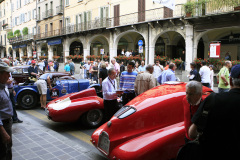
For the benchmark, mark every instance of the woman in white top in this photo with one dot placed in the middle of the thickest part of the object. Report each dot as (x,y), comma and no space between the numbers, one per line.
(211,76)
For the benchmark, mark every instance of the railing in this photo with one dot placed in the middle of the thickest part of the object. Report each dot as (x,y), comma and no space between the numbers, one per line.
(38,18)
(80,27)
(8,27)
(45,14)
(213,7)
(59,9)
(148,15)
(21,38)
(50,13)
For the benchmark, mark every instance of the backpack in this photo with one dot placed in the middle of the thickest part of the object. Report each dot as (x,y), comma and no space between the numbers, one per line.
(192,150)
(198,77)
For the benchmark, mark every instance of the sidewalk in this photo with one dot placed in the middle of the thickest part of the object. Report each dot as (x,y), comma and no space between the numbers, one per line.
(32,141)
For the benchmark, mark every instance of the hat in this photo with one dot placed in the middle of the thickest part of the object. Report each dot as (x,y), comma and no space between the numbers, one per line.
(33,62)
(5,67)
(235,71)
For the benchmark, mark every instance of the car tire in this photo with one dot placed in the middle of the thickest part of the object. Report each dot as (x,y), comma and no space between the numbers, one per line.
(27,99)
(93,118)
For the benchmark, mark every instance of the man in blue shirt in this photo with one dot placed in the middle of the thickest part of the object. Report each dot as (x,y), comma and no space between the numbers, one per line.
(127,80)
(168,75)
(6,112)
(142,67)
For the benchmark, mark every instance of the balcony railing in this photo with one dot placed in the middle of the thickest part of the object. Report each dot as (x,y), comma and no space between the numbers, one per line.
(38,18)
(50,13)
(213,7)
(21,38)
(45,14)
(148,15)
(70,29)
(7,27)
(59,9)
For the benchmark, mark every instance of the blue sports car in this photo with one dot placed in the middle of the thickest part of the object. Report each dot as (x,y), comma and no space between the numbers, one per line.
(27,95)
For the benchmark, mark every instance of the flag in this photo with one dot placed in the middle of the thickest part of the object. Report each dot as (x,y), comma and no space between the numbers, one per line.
(167,3)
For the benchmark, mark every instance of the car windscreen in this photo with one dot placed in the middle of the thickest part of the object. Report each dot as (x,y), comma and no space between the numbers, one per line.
(17,71)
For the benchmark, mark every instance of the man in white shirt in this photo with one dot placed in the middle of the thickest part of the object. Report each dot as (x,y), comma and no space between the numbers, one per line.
(128,54)
(158,69)
(205,74)
(109,87)
(41,65)
(87,67)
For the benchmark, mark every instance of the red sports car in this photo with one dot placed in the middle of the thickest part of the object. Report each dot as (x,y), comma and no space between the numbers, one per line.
(147,128)
(85,106)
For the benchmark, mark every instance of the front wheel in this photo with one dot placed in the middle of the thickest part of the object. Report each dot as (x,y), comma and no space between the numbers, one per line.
(93,118)
(27,99)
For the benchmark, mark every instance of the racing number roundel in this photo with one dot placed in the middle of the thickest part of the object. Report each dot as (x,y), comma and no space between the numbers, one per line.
(54,93)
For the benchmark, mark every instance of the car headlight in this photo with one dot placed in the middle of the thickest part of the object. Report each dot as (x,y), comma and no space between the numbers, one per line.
(125,112)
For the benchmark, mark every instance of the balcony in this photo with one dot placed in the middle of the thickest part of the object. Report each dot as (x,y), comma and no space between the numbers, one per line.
(146,16)
(6,27)
(59,9)
(38,18)
(210,8)
(21,38)
(50,13)
(45,15)
(54,33)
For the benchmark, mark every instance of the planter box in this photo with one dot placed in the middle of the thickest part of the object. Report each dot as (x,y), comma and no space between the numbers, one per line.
(189,14)
(237,8)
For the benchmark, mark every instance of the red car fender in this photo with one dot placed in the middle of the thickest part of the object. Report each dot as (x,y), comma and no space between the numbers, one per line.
(69,108)
(161,144)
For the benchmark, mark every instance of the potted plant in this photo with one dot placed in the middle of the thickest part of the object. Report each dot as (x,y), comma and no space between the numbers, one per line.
(17,33)
(4,25)
(188,8)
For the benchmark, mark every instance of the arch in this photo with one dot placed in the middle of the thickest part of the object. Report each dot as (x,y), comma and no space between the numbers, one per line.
(118,37)
(165,32)
(94,37)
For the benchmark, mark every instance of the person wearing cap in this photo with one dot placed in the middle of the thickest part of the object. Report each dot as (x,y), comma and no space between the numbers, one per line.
(6,113)
(221,134)
(33,71)
(223,77)
(12,94)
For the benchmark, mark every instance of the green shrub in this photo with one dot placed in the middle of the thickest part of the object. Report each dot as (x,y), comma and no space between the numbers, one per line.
(10,35)
(25,31)
(17,33)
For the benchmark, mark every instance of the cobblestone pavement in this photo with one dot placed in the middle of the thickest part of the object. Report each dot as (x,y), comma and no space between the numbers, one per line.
(32,141)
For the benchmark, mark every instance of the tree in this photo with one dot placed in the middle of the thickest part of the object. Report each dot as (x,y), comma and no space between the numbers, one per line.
(25,31)
(17,33)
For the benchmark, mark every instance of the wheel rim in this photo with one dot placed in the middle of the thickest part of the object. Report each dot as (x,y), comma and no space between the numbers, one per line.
(94,117)
(27,100)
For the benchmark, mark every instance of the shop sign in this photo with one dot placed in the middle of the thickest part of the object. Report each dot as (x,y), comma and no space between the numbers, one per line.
(19,46)
(54,42)
(215,50)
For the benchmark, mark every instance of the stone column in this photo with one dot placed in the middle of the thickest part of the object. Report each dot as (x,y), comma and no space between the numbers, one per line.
(86,52)
(21,54)
(29,51)
(50,52)
(14,54)
(38,51)
(2,53)
(151,54)
(189,46)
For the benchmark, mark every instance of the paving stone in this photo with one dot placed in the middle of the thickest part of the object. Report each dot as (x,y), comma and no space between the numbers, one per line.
(47,156)
(36,148)
(64,157)
(58,153)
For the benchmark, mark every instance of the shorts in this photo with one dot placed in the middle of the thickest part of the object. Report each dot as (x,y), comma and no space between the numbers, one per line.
(42,86)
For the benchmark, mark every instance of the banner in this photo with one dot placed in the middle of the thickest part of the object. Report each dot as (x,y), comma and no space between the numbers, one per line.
(167,3)
(214,50)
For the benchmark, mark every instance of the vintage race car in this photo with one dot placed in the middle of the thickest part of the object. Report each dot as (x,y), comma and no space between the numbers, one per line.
(20,74)
(27,96)
(85,106)
(148,127)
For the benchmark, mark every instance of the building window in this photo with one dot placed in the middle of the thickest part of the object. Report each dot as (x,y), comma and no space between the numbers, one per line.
(66,3)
